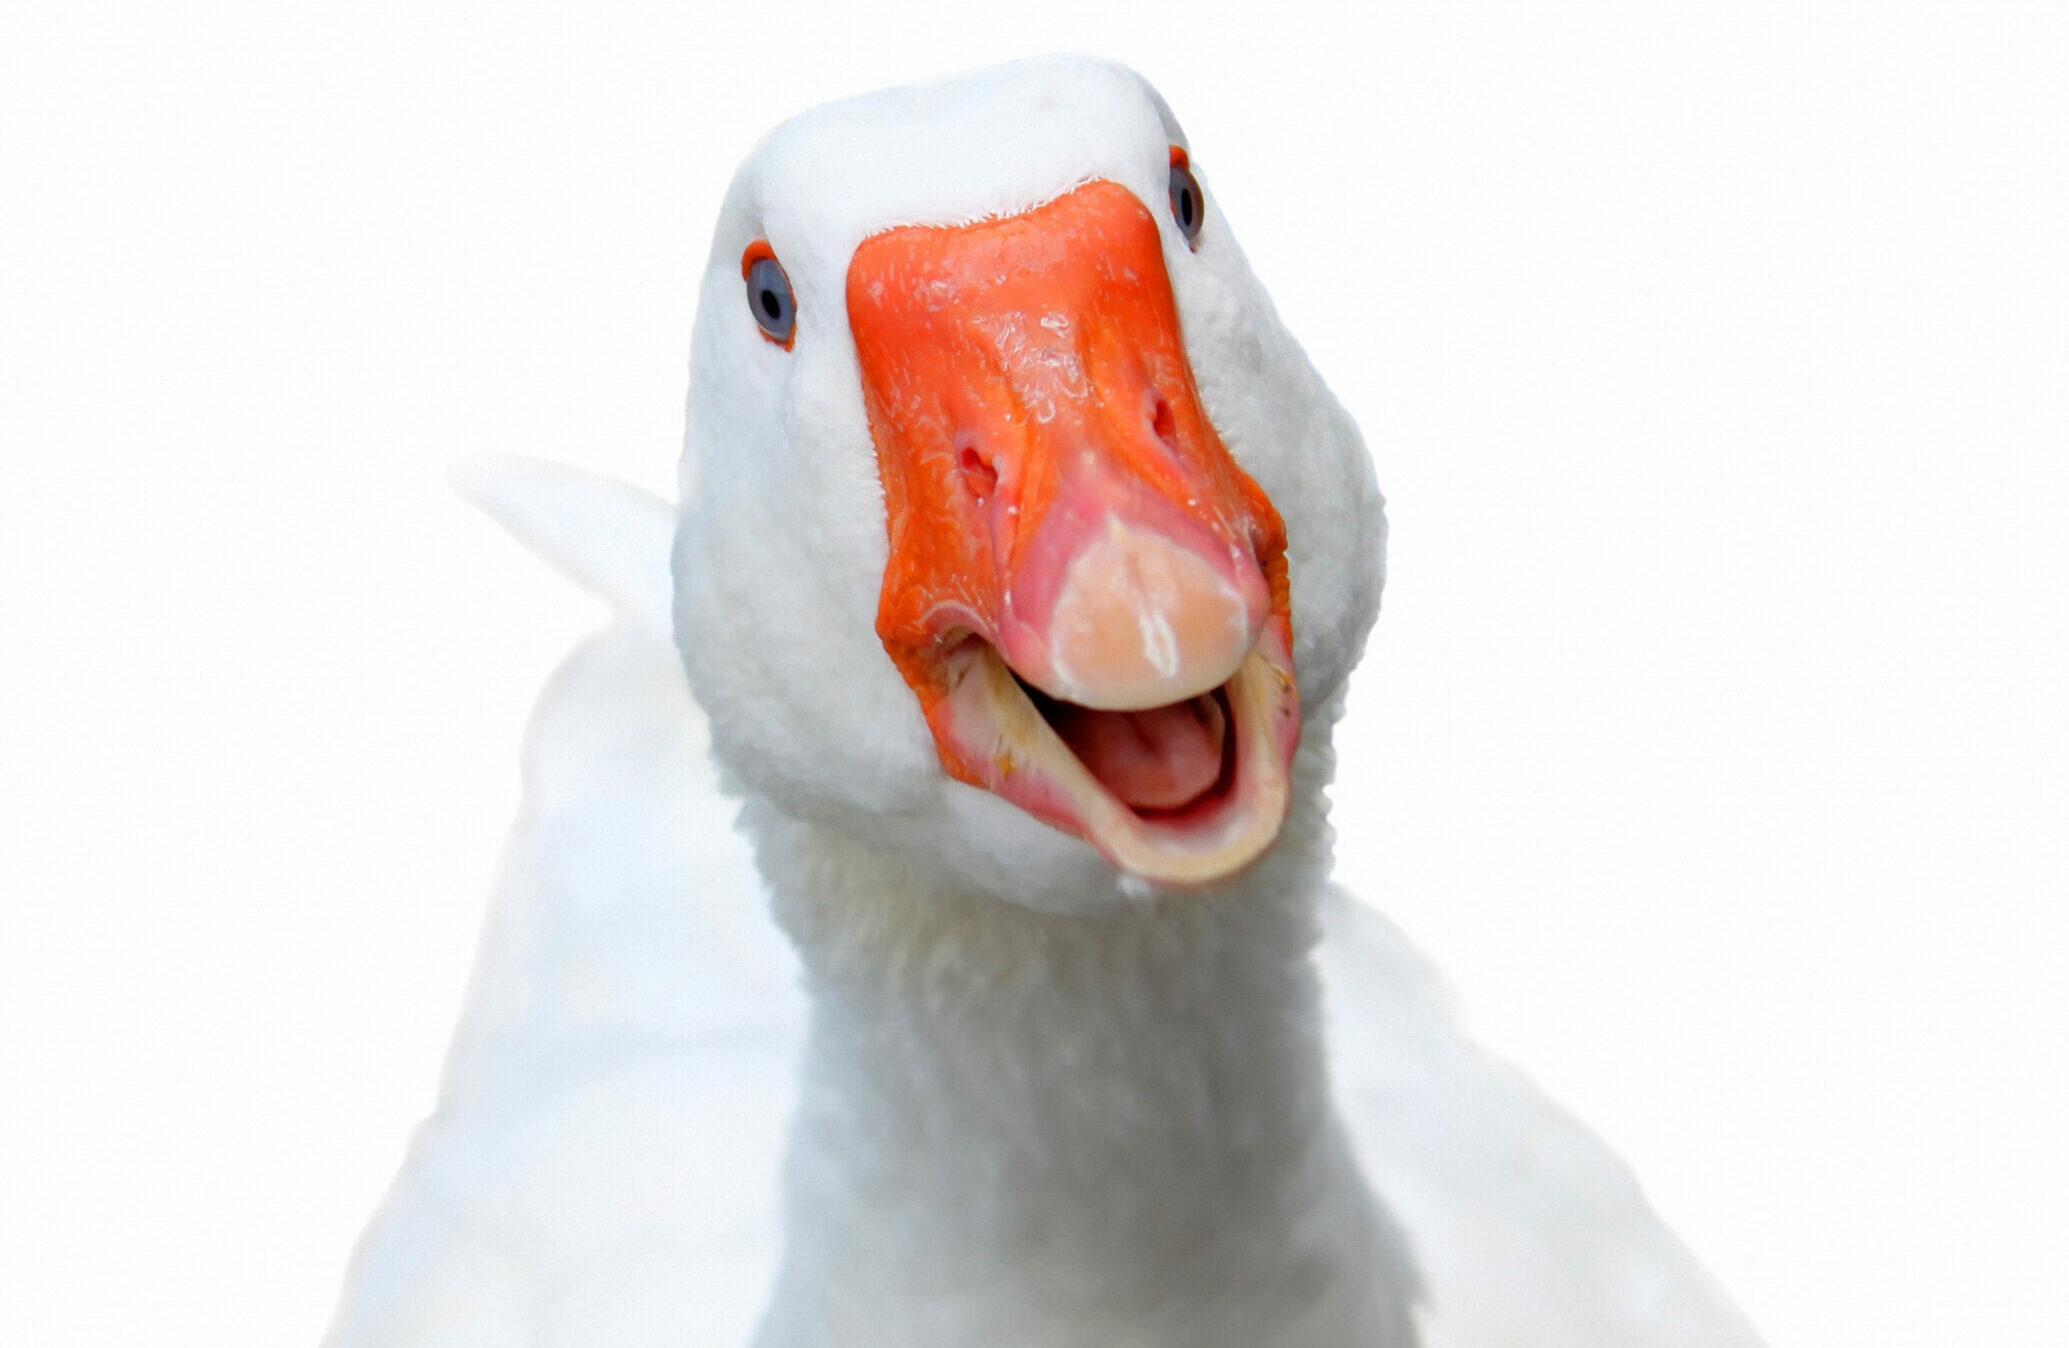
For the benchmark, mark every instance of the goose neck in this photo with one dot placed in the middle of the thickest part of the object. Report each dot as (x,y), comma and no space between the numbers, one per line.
(1032,1120)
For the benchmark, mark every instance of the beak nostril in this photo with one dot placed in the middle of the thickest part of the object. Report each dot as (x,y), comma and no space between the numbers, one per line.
(978,474)
(1166,427)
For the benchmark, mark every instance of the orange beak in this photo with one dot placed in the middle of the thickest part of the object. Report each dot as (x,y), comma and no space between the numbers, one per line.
(1084,591)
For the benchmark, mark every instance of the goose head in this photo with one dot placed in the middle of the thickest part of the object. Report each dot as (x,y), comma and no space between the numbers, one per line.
(1019,536)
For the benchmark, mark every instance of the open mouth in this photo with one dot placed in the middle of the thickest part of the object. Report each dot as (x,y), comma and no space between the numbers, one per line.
(1162,762)
(1184,793)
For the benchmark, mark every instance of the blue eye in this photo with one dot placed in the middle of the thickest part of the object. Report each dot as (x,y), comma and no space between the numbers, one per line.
(769,297)
(1188,202)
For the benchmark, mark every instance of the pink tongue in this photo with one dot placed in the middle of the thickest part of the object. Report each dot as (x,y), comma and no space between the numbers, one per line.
(1152,760)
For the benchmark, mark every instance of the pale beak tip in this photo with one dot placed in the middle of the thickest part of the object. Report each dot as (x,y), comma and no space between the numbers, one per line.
(1141,620)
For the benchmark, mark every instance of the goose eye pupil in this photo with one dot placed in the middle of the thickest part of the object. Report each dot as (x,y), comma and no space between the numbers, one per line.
(771,306)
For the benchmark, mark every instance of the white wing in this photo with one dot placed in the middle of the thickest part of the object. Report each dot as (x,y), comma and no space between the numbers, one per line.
(603,1164)
(1528,1231)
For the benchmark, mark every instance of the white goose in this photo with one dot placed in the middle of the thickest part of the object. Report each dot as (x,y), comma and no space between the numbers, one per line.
(1022,561)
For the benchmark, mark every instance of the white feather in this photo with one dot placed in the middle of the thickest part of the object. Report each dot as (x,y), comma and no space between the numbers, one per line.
(602,1164)
(598,532)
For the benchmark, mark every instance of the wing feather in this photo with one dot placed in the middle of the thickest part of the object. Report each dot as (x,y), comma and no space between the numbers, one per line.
(603,1163)
(1529,1232)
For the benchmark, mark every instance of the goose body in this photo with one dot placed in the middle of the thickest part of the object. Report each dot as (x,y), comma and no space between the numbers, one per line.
(1018,613)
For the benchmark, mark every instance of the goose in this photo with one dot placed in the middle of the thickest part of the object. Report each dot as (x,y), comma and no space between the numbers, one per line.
(1019,567)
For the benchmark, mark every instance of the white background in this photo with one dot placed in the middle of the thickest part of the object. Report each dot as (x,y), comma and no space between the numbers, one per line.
(1713,739)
